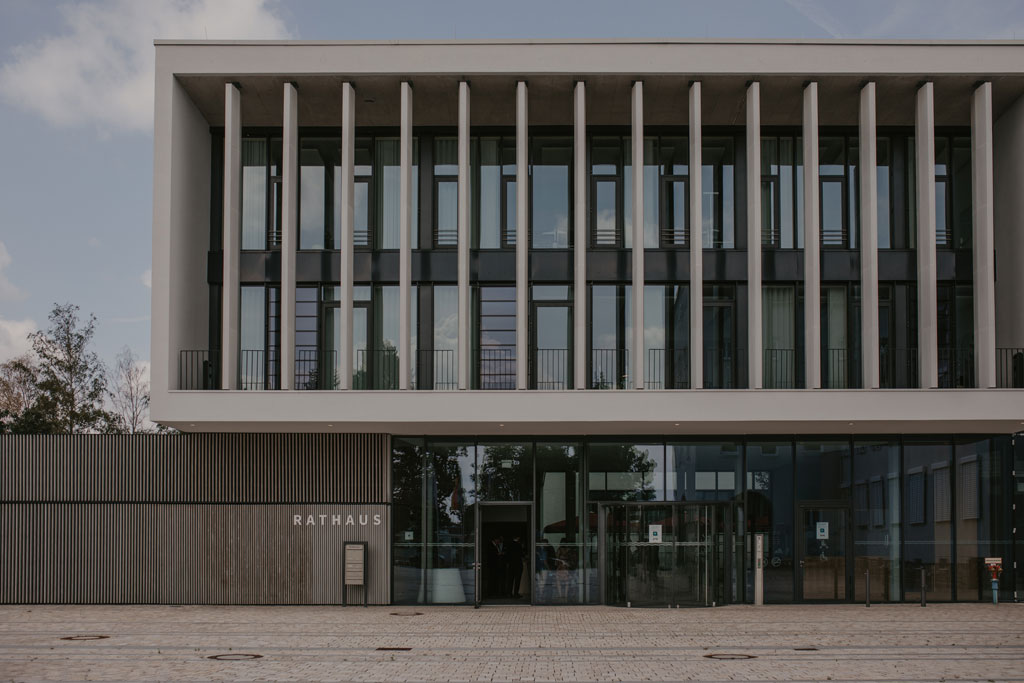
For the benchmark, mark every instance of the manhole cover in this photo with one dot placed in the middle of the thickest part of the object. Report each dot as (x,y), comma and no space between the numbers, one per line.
(394,649)
(726,655)
(234,657)
(407,614)
(85,638)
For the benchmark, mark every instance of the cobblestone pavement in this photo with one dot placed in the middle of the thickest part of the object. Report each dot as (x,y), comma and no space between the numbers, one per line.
(848,642)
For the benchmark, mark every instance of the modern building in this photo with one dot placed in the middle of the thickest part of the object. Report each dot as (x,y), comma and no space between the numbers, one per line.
(586,321)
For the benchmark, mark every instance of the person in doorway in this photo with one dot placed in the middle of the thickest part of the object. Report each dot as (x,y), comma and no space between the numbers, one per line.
(514,561)
(494,567)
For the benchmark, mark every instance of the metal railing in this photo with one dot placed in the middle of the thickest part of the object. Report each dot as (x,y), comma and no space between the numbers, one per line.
(956,367)
(897,367)
(496,367)
(199,369)
(316,369)
(1010,368)
(376,369)
(724,367)
(778,369)
(667,369)
(551,369)
(258,370)
(835,369)
(436,369)
(609,369)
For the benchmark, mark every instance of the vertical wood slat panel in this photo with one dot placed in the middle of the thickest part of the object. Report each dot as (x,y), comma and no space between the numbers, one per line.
(187,518)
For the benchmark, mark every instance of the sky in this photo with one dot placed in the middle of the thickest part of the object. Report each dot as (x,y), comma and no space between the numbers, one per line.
(76,100)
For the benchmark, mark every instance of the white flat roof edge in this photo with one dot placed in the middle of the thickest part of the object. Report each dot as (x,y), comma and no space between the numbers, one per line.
(601,41)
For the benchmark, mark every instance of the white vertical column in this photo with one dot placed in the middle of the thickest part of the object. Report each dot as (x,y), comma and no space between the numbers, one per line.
(983,233)
(522,239)
(289,230)
(755,355)
(927,305)
(868,238)
(812,255)
(638,235)
(579,119)
(232,232)
(696,243)
(406,326)
(464,322)
(346,244)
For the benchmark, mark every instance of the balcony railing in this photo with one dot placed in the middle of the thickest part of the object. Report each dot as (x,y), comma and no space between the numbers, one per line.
(436,369)
(609,369)
(725,367)
(837,370)
(779,369)
(375,369)
(897,367)
(1010,368)
(316,369)
(551,369)
(956,367)
(496,367)
(668,369)
(258,370)
(199,370)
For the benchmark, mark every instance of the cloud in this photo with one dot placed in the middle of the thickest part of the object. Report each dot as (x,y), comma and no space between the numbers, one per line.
(147,278)
(8,292)
(100,69)
(14,337)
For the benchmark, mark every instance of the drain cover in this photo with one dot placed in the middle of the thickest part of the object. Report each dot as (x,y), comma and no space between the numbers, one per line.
(85,638)
(394,649)
(725,655)
(407,614)
(234,657)
(806,649)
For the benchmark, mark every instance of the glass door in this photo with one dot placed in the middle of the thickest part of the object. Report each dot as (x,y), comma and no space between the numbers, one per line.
(824,570)
(659,555)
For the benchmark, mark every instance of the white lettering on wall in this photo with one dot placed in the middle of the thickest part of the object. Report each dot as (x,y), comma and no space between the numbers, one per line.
(297,520)
(335,520)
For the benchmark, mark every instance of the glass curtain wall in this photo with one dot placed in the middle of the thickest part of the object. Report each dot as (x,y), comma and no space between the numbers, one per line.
(876,519)
(782,194)
(551,192)
(982,529)
(956,335)
(551,337)
(769,511)
(319,191)
(928,519)
(781,327)
(667,336)
(446,192)
(611,336)
(388,198)
(559,561)
(443,358)
(493,192)
(261,192)
(718,202)
(723,366)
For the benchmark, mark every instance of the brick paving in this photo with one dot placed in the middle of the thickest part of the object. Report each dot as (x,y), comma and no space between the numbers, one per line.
(853,643)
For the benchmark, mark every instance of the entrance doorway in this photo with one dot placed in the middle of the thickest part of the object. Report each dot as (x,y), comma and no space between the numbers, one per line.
(664,554)
(504,554)
(824,568)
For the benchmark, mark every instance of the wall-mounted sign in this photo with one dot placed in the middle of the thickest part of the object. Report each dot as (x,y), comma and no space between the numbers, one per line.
(654,533)
(336,520)
(821,531)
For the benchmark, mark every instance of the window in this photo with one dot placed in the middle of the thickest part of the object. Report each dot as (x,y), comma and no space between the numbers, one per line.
(782,212)
(718,193)
(387,172)
(967,488)
(261,193)
(611,336)
(915,497)
(551,190)
(781,328)
(496,338)
(319,191)
(943,507)
(446,192)
(494,192)
(667,336)
(606,190)
(721,356)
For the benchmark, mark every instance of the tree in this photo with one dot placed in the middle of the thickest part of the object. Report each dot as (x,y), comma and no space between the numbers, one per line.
(71,380)
(130,392)
(18,378)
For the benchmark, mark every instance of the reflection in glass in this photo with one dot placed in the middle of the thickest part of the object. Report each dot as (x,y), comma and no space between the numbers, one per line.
(449,520)
(981,531)
(823,470)
(254,193)
(558,563)
(927,515)
(387,186)
(319,167)
(550,178)
(770,511)
(620,471)
(717,193)
(876,519)
(506,471)
(709,471)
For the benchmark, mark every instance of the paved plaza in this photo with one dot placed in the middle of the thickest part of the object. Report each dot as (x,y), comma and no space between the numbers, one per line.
(838,643)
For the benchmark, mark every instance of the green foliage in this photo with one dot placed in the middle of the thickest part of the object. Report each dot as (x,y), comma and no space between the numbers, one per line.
(71,378)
